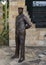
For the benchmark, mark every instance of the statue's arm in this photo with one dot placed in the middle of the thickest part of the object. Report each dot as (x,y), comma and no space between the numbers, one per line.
(28,22)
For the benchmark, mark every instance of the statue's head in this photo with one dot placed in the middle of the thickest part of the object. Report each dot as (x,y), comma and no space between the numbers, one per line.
(20,10)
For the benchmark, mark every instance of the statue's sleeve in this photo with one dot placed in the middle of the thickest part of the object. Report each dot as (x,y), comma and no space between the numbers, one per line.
(27,22)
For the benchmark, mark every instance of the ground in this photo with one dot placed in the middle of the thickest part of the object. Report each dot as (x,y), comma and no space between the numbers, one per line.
(34,56)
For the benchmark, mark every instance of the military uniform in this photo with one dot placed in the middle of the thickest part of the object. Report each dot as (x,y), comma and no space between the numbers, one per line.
(22,23)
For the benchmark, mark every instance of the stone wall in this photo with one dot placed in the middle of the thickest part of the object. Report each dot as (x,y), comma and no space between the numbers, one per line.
(34,37)
(1,18)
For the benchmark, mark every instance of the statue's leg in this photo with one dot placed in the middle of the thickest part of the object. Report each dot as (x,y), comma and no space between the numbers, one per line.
(22,46)
(17,46)
(16,55)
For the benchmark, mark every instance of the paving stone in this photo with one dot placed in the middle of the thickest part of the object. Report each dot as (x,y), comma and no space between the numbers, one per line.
(41,55)
(42,63)
(7,52)
(44,52)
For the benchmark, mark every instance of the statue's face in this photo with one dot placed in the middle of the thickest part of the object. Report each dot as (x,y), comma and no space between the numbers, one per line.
(20,11)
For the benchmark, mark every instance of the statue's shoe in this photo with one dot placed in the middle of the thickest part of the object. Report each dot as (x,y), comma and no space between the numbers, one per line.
(14,56)
(21,60)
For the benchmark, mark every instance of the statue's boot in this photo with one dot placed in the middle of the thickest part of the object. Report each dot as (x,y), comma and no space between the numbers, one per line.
(15,56)
(21,60)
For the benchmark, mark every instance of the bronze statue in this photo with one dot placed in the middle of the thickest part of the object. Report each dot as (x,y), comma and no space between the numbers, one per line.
(22,23)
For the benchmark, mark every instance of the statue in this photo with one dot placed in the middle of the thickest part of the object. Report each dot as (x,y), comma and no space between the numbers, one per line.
(22,23)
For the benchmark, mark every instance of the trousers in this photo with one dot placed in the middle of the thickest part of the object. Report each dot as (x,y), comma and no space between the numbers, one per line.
(20,45)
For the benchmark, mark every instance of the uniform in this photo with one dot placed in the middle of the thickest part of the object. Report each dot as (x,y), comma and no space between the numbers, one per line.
(22,23)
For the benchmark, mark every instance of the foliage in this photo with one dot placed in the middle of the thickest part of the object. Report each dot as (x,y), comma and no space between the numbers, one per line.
(4,36)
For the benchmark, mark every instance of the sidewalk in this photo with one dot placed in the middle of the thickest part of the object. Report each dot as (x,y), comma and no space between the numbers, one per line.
(34,56)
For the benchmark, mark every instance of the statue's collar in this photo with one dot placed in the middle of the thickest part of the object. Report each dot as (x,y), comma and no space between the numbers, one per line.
(21,15)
